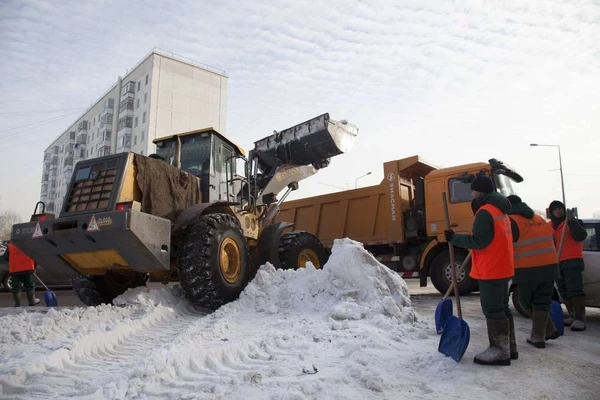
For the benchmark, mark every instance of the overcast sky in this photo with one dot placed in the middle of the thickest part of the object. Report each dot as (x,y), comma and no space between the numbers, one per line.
(455,82)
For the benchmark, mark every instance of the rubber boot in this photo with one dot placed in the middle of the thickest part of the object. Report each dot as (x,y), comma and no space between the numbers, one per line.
(569,305)
(498,353)
(17,299)
(538,328)
(31,298)
(551,330)
(578,314)
(514,354)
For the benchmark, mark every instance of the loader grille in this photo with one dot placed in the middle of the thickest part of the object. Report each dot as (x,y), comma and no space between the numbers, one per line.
(92,193)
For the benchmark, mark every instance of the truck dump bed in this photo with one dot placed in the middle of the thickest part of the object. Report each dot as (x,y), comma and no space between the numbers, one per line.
(371,215)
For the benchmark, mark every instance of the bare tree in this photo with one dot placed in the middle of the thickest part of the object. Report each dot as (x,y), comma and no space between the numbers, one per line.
(7,219)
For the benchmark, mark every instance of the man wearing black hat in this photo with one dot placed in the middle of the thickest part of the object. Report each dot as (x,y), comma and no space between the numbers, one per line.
(570,282)
(536,266)
(493,265)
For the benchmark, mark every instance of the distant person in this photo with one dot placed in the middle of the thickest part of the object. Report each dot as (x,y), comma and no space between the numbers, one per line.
(493,265)
(21,269)
(570,281)
(536,267)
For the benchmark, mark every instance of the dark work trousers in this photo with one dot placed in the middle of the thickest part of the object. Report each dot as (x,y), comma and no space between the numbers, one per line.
(493,295)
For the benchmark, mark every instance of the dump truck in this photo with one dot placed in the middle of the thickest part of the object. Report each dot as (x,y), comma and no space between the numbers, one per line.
(198,211)
(401,221)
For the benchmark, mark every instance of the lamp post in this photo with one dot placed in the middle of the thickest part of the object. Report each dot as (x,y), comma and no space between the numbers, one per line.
(562,181)
(362,176)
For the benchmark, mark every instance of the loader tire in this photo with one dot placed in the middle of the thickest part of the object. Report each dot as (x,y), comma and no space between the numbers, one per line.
(441,273)
(213,261)
(298,247)
(86,290)
(95,290)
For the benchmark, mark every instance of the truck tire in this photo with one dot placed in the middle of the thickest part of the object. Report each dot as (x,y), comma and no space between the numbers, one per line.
(517,303)
(213,261)
(6,282)
(95,290)
(441,273)
(296,248)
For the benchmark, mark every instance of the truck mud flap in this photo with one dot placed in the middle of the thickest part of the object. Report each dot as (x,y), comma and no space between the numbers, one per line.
(93,244)
(310,143)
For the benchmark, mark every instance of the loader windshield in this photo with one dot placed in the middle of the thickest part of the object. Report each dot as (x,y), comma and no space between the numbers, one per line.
(195,153)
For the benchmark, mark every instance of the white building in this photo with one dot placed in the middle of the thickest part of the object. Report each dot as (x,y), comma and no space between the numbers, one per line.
(162,94)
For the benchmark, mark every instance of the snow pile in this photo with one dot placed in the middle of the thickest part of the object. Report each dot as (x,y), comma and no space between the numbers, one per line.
(333,333)
(352,285)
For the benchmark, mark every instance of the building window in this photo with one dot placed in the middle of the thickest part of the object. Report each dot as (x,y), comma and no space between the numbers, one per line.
(137,103)
(142,153)
(134,140)
(142,139)
(144,117)
(136,122)
(146,79)
(145,98)
(139,84)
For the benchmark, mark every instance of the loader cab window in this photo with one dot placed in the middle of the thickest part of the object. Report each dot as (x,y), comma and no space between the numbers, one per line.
(196,154)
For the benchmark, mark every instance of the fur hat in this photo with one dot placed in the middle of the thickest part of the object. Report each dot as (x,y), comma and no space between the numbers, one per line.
(482,184)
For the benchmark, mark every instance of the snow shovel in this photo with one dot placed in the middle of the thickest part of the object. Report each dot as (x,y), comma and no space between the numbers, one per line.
(444,307)
(556,311)
(49,296)
(456,334)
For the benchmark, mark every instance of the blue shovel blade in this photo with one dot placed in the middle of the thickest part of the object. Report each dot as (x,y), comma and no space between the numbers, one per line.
(556,314)
(50,299)
(455,338)
(442,312)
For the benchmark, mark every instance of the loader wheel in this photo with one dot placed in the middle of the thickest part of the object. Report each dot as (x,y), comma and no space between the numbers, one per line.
(213,261)
(441,273)
(299,247)
(95,290)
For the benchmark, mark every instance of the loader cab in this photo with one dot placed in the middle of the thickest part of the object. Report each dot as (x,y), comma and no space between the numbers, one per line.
(208,155)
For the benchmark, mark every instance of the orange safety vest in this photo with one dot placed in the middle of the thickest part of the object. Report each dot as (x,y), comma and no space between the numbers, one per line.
(496,261)
(535,247)
(18,261)
(571,247)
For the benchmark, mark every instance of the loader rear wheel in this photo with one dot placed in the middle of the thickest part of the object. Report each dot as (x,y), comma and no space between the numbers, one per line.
(95,290)
(213,261)
(441,273)
(299,247)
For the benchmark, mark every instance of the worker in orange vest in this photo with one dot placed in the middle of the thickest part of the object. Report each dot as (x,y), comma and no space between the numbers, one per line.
(21,269)
(536,267)
(570,281)
(493,265)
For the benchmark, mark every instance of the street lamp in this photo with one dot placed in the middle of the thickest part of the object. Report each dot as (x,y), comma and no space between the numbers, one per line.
(356,180)
(562,181)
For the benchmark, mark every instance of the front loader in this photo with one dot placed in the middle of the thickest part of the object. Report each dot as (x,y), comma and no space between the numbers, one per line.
(185,214)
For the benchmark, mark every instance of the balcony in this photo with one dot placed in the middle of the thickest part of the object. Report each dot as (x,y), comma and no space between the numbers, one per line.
(54,149)
(83,126)
(81,138)
(54,161)
(124,142)
(68,161)
(104,150)
(108,106)
(106,121)
(129,87)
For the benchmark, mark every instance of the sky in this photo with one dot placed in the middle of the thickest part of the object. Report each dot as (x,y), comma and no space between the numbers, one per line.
(452,81)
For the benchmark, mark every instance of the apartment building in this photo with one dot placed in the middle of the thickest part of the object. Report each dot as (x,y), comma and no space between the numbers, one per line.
(162,94)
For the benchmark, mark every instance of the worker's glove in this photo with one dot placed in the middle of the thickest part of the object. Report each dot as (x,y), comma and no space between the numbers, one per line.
(570,215)
(449,234)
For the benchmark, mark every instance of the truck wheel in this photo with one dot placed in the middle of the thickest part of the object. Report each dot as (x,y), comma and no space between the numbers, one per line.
(441,273)
(299,247)
(213,261)
(95,290)
(517,303)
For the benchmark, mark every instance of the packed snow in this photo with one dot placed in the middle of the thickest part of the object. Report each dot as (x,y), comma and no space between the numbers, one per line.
(348,331)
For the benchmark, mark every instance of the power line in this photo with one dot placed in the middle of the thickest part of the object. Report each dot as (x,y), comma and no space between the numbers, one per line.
(40,111)
(39,123)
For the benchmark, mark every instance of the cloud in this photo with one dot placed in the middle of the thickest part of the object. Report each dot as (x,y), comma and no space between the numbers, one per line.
(455,81)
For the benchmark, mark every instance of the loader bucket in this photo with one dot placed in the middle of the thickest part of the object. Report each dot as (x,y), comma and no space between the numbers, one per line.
(312,142)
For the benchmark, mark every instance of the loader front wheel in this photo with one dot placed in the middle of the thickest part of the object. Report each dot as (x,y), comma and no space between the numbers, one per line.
(299,247)
(213,261)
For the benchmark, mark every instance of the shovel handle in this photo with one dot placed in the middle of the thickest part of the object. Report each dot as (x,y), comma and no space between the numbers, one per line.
(460,271)
(451,246)
(38,278)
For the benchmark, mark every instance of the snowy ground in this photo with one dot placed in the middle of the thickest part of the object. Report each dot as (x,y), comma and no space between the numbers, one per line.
(349,331)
